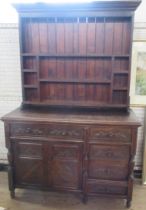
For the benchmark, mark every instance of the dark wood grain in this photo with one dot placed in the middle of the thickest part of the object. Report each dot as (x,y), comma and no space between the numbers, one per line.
(81,47)
(89,152)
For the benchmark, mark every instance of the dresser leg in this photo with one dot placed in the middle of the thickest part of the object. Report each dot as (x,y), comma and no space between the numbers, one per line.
(128,203)
(11,183)
(12,194)
(85,199)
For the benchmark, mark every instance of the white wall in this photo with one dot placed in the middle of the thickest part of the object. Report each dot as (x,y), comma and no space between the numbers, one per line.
(140,113)
(10,81)
(140,14)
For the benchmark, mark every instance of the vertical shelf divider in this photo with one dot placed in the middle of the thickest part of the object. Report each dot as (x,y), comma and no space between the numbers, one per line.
(112,78)
(38,77)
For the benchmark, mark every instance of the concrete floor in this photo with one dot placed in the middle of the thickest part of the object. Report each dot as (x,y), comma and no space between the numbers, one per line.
(37,200)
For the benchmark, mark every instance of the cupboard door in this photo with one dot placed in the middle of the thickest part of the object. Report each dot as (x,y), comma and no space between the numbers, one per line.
(28,162)
(66,166)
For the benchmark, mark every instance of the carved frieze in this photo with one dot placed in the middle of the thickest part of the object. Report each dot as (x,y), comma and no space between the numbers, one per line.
(46,130)
(64,132)
(106,133)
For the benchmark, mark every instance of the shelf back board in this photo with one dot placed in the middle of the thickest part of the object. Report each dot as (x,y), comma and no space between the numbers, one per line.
(72,54)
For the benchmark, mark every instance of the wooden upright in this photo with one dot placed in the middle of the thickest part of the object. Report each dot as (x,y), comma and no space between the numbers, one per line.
(74,130)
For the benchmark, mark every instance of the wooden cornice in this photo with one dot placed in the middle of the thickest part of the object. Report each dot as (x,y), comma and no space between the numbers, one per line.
(120,5)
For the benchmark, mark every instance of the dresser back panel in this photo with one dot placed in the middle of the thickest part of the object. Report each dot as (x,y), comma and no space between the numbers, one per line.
(69,59)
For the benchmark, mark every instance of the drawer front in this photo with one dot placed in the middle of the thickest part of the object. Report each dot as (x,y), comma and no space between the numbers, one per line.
(113,188)
(100,170)
(109,133)
(46,130)
(105,152)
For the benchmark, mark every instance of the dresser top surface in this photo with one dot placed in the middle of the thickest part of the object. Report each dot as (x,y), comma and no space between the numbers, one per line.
(77,117)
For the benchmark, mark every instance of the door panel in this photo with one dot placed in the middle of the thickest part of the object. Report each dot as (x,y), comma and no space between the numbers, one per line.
(66,166)
(29,171)
(28,158)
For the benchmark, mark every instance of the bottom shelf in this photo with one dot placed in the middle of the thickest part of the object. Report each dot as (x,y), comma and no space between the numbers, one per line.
(98,96)
(75,104)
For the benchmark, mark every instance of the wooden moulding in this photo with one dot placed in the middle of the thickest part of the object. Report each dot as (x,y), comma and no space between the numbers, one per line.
(129,5)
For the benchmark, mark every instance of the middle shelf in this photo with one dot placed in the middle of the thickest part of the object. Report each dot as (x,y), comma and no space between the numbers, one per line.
(99,79)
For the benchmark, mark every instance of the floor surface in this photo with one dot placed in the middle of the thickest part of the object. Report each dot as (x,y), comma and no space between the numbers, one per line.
(37,200)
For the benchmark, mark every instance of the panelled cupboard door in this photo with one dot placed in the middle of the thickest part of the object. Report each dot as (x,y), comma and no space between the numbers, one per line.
(48,164)
(28,162)
(66,166)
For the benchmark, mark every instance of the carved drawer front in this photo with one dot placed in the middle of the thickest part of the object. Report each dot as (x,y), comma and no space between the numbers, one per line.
(66,166)
(113,152)
(29,149)
(113,133)
(46,130)
(100,170)
(102,187)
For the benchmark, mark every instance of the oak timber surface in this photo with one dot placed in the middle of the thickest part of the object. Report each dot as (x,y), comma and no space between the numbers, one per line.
(66,116)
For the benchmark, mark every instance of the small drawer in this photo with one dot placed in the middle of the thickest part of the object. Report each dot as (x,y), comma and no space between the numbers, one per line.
(109,171)
(109,153)
(106,187)
(46,130)
(110,133)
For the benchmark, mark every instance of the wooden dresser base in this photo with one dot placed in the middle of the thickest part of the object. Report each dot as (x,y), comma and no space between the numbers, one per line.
(88,153)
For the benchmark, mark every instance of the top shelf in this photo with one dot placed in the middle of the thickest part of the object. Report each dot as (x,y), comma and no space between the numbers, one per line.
(74,56)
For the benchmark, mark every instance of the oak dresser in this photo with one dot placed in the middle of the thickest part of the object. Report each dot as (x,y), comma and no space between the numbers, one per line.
(74,130)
